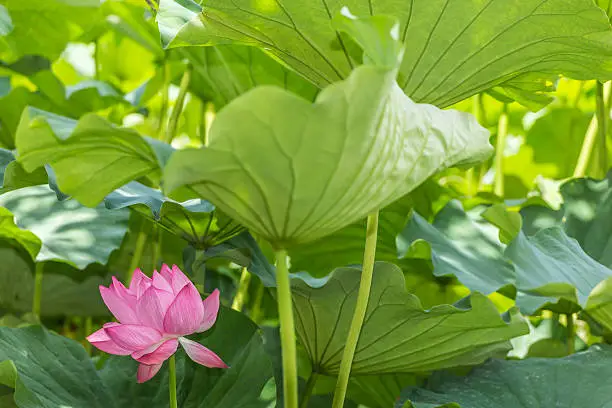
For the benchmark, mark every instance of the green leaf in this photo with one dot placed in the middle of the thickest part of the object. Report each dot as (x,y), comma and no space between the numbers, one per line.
(454,237)
(588,215)
(550,266)
(49,371)
(193,220)
(222,73)
(545,268)
(398,334)
(260,170)
(9,231)
(69,232)
(537,382)
(453,47)
(91,157)
(237,341)
(509,223)
(52,371)
(44,28)
(242,250)
(6,157)
(61,295)
(380,391)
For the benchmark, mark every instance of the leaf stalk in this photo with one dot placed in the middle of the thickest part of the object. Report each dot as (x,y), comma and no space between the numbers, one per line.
(361,306)
(243,290)
(178,106)
(287,330)
(172,381)
(500,146)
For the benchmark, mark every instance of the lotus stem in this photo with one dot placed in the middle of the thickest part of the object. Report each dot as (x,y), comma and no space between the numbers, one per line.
(172,381)
(141,240)
(178,106)
(208,116)
(243,290)
(590,136)
(602,121)
(470,176)
(287,330)
(571,333)
(38,281)
(361,306)
(156,232)
(256,307)
(96,58)
(165,98)
(87,329)
(500,146)
(312,380)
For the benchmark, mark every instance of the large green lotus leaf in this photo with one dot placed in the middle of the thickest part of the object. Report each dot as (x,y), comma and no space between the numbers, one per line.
(69,231)
(546,268)
(455,48)
(398,334)
(235,338)
(11,107)
(49,371)
(588,215)
(551,266)
(193,220)
(294,171)
(222,73)
(44,28)
(576,381)
(91,157)
(61,295)
(463,245)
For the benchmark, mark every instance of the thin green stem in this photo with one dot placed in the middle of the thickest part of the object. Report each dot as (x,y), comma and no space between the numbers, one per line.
(141,240)
(590,138)
(312,381)
(208,116)
(361,306)
(256,307)
(172,381)
(87,329)
(38,281)
(571,333)
(500,146)
(470,176)
(96,58)
(156,234)
(287,330)
(163,112)
(243,290)
(602,120)
(178,106)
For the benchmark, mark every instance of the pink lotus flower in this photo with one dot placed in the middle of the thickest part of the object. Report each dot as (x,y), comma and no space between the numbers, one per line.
(154,315)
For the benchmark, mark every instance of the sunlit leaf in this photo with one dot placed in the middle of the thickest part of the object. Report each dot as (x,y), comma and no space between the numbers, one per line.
(454,48)
(91,157)
(69,231)
(398,334)
(538,382)
(294,171)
